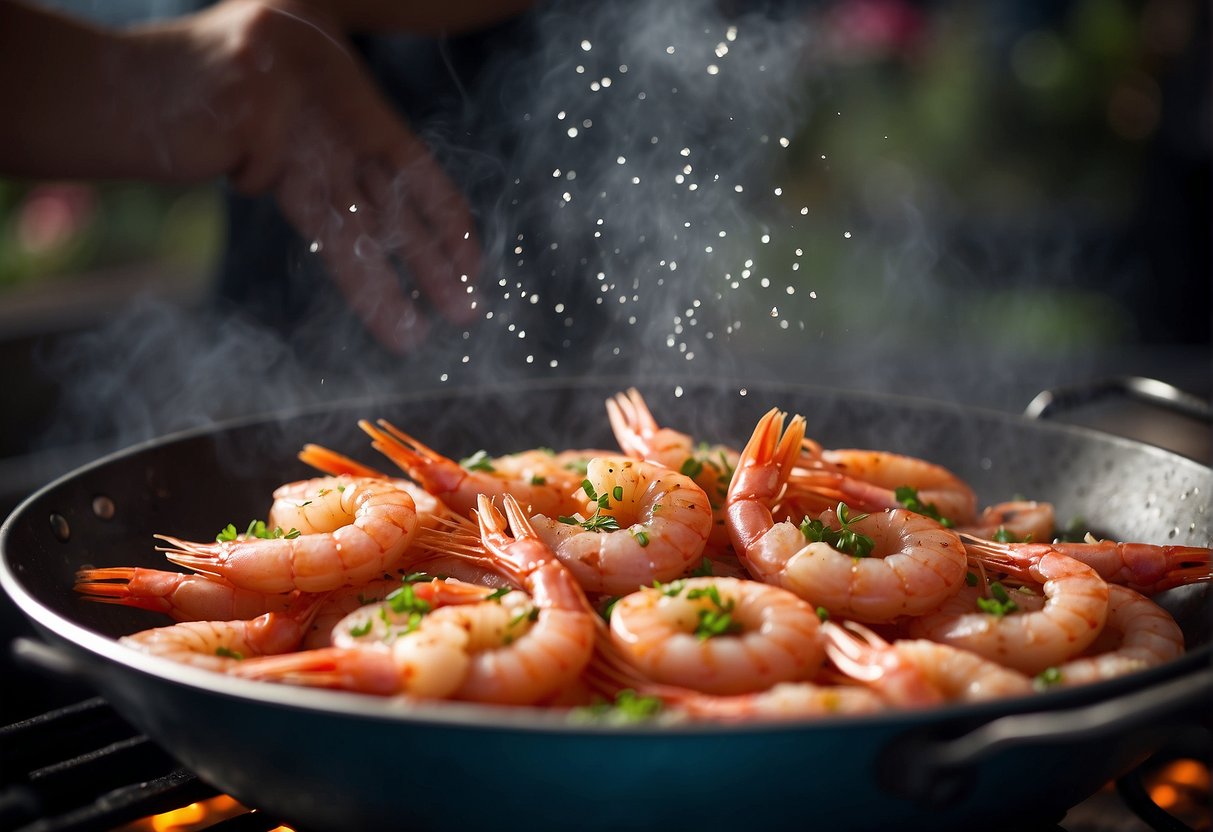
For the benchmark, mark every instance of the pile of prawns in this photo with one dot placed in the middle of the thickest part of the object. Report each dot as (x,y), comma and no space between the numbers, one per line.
(782,581)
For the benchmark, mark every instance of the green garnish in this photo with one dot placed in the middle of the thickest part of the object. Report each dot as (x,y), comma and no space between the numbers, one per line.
(479,461)
(359,630)
(538,480)
(228,653)
(703,570)
(258,529)
(908,497)
(1047,678)
(641,534)
(823,613)
(844,539)
(404,601)
(971,579)
(581,466)
(627,707)
(670,590)
(1000,605)
(498,594)
(691,467)
(596,522)
(416,578)
(1004,536)
(717,622)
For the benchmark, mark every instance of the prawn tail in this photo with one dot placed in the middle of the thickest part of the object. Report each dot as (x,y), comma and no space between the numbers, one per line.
(334,464)
(631,421)
(437,473)
(365,671)
(1184,565)
(770,447)
(112,585)
(203,558)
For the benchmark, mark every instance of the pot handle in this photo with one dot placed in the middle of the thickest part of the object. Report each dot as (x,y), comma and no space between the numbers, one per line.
(936,772)
(1148,390)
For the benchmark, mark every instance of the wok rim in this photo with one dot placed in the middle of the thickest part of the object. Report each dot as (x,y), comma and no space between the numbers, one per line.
(493,718)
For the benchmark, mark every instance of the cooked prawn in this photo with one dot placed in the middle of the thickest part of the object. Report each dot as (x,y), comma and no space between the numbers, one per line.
(1074,611)
(1141,566)
(182,596)
(913,566)
(382,520)
(223,645)
(958,675)
(763,635)
(787,700)
(1024,520)
(519,648)
(1138,634)
(870,481)
(640,523)
(641,437)
(532,477)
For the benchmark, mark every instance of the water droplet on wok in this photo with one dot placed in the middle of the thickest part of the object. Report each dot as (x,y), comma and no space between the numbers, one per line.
(103,507)
(60,528)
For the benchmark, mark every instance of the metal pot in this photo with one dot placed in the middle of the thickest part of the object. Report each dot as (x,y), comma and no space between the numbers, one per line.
(330,760)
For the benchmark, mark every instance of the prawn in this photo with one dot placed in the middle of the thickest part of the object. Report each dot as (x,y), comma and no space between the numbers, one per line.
(1024,520)
(640,523)
(1138,634)
(223,645)
(718,635)
(912,564)
(641,437)
(1144,567)
(520,647)
(179,595)
(957,675)
(381,524)
(786,700)
(1074,611)
(874,480)
(532,477)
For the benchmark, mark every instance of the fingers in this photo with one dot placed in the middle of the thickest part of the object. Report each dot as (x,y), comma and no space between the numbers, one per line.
(331,210)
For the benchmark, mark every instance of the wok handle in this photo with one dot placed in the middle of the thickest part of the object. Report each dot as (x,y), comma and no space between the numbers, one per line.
(1147,390)
(937,772)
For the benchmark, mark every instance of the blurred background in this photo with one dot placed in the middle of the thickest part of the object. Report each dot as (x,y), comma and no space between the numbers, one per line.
(998,197)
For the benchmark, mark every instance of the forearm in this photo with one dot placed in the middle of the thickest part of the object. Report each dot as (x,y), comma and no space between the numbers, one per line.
(90,102)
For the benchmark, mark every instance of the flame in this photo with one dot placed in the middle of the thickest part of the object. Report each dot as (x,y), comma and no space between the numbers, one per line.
(191,818)
(1181,787)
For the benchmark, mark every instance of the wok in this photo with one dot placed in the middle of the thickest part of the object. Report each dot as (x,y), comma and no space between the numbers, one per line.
(330,760)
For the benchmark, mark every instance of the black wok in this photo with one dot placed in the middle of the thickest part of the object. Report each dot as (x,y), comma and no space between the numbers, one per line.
(328,760)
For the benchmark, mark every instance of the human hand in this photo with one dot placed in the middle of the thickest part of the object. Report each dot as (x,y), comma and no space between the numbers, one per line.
(270,94)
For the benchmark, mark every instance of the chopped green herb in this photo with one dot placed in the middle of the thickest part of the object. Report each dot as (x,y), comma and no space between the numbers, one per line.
(717,622)
(405,600)
(229,533)
(596,522)
(823,613)
(641,534)
(627,707)
(538,480)
(670,590)
(416,578)
(908,497)
(359,630)
(256,529)
(703,570)
(844,539)
(341,489)
(971,579)
(691,467)
(479,461)
(228,653)
(999,605)
(609,607)
(498,594)
(323,491)
(1004,536)
(1047,678)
